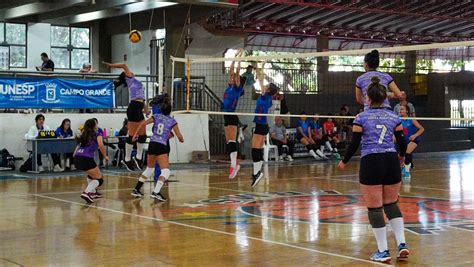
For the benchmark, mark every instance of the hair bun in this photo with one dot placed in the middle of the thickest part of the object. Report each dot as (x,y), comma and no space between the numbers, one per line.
(375,53)
(375,79)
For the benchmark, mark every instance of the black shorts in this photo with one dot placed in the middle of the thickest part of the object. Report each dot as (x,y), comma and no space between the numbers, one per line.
(156,149)
(261,129)
(231,120)
(84,164)
(380,169)
(135,111)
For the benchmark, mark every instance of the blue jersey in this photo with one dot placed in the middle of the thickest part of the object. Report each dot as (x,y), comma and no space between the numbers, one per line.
(231,98)
(304,125)
(378,126)
(264,102)
(314,124)
(409,129)
(63,134)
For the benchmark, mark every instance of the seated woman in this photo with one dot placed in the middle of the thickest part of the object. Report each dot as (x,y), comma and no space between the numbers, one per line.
(303,134)
(33,134)
(330,135)
(63,131)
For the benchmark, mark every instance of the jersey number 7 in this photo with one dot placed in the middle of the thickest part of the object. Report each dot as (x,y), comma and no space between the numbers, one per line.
(382,134)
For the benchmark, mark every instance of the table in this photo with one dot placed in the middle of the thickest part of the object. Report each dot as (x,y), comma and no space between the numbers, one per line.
(50,146)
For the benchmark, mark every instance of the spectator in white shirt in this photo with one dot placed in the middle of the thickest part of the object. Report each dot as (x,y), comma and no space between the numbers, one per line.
(404,102)
(33,134)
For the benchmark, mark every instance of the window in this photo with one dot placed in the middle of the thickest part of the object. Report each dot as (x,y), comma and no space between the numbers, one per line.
(70,47)
(462,109)
(13,35)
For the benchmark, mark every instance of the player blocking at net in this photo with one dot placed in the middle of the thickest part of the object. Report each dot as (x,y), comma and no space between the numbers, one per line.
(231,98)
(135,116)
(379,172)
(264,103)
(158,149)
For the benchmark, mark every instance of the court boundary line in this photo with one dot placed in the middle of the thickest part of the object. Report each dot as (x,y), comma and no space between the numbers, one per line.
(212,230)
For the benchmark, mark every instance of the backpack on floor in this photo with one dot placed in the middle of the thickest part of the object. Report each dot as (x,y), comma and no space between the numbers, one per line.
(27,165)
(7,161)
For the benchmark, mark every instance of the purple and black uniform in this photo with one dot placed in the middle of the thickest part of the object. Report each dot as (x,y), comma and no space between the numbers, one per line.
(135,88)
(162,127)
(136,94)
(378,128)
(365,80)
(379,158)
(84,157)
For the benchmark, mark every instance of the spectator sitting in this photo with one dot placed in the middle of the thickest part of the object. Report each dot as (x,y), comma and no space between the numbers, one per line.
(280,138)
(330,135)
(47,65)
(122,134)
(404,102)
(63,131)
(303,134)
(345,124)
(87,68)
(33,134)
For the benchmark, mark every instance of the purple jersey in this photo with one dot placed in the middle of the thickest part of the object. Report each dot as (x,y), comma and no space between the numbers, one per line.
(135,88)
(89,150)
(162,126)
(364,81)
(378,126)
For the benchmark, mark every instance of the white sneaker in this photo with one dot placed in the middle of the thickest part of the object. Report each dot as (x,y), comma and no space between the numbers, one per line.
(288,158)
(40,169)
(233,171)
(73,167)
(57,168)
(321,154)
(67,164)
(280,158)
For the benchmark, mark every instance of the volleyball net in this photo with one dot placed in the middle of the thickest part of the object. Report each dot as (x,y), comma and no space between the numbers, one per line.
(437,79)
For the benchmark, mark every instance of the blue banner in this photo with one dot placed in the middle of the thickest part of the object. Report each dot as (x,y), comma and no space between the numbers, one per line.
(55,93)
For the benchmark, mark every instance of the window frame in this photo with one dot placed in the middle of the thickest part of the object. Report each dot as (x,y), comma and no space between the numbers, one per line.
(5,43)
(70,48)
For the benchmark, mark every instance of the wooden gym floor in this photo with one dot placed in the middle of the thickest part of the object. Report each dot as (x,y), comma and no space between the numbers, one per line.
(301,214)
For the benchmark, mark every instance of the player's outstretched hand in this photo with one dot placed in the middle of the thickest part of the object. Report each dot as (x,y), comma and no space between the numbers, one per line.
(342,165)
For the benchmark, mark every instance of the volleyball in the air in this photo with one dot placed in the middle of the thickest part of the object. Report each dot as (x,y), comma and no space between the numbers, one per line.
(135,36)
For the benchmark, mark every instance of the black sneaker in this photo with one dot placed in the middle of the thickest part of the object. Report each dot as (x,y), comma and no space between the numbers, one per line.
(88,197)
(256,178)
(97,195)
(138,163)
(158,196)
(137,193)
(128,165)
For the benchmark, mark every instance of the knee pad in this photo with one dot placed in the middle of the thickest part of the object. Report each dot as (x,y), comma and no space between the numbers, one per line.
(231,146)
(90,177)
(148,173)
(165,173)
(101,181)
(392,210)
(376,218)
(142,139)
(257,154)
(130,140)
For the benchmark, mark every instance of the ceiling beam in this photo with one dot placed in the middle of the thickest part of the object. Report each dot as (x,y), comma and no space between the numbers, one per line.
(127,9)
(38,8)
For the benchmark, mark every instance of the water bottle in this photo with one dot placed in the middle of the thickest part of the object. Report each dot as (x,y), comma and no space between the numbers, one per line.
(111,132)
(105,133)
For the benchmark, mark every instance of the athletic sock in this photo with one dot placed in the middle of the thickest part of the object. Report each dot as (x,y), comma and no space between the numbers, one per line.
(398,229)
(140,147)
(233,159)
(381,237)
(92,186)
(139,185)
(158,186)
(257,166)
(128,152)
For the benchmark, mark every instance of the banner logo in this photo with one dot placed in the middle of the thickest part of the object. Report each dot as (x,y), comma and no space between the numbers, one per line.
(51,93)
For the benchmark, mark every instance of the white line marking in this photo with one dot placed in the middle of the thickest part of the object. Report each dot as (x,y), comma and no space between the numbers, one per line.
(213,231)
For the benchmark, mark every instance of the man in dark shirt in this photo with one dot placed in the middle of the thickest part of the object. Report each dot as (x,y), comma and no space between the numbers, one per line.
(48,64)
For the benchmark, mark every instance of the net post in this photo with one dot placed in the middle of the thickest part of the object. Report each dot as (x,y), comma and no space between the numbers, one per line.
(188,84)
(172,80)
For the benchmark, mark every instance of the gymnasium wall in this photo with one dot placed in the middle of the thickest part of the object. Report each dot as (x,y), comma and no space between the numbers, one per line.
(193,127)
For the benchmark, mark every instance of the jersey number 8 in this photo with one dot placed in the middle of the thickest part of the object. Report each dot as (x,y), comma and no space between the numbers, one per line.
(160,129)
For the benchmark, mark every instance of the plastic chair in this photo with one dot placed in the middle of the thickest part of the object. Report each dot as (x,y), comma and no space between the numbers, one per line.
(267,148)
